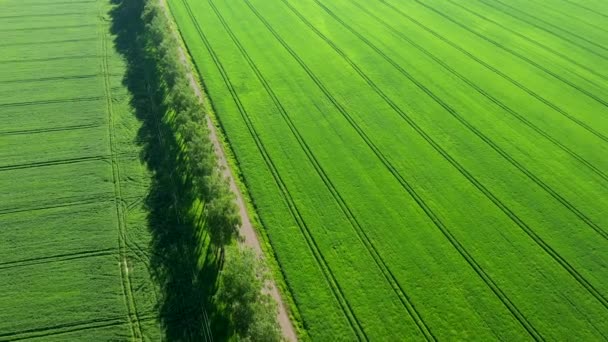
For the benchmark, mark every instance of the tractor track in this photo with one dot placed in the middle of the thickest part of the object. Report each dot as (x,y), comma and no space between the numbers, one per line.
(131,305)
(57,258)
(49,130)
(541,99)
(52,163)
(366,241)
(573,85)
(58,101)
(531,40)
(50,42)
(507,211)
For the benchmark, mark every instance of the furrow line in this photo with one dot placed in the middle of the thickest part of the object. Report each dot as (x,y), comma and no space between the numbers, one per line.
(43,102)
(123,263)
(47,28)
(293,209)
(47,130)
(439,224)
(144,257)
(497,148)
(51,163)
(56,258)
(48,42)
(493,99)
(429,212)
(44,15)
(48,59)
(61,329)
(46,79)
(133,204)
(388,275)
(52,3)
(520,56)
(586,8)
(572,17)
(533,41)
(90,200)
(532,23)
(482,136)
(500,73)
(504,208)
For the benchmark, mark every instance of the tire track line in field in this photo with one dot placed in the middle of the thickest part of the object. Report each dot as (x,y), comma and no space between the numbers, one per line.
(52,163)
(68,328)
(520,56)
(533,24)
(371,249)
(73,203)
(53,3)
(500,73)
(501,152)
(504,208)
(429,212)
(479,134)
(47,28)
(548,24)
(48,59)
(61,329)
(48,130)
(43,102)
(21,16)
(529,39)
(570,16)
(493,99)
(54,78)
(57,258)
(294,211)
(586,8)
(127,286)
(422,204)
(47,42)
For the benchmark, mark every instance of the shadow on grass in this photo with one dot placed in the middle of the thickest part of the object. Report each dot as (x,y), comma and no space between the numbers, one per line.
(184,268)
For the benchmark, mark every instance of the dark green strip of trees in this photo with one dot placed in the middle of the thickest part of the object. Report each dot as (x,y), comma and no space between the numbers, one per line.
(240,293)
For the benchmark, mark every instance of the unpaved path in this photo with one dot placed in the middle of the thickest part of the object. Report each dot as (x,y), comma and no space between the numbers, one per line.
(247,231)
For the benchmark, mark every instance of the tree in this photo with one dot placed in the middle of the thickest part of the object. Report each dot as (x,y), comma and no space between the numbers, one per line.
(223,219)
(241,293)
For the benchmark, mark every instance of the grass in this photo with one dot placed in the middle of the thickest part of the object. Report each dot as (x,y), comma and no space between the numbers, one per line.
(422,169)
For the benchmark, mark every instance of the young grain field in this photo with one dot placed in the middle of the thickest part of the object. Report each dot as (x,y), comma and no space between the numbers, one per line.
(424,170)
(74,256)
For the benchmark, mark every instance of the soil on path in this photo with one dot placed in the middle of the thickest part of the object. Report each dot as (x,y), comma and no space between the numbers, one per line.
(247,231)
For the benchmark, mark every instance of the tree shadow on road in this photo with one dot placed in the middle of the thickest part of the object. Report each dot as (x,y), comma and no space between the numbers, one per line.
(185,270)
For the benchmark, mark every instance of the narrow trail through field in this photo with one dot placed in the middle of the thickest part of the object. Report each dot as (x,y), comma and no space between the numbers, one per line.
(247,231)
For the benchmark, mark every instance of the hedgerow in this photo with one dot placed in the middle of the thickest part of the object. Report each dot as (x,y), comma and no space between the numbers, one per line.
(186,115)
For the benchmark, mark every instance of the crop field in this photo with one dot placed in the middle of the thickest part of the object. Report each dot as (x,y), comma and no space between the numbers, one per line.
(423,170)
(73,228)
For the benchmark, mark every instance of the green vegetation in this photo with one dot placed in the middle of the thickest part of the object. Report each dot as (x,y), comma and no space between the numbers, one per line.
(423,169)
(251,310)
(73,243)
(203,204)
(114,212)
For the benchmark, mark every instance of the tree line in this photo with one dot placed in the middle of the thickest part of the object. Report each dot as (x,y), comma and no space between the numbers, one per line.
(241,290)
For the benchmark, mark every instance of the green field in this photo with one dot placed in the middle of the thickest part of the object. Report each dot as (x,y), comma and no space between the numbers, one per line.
(74,232)
(422,169)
